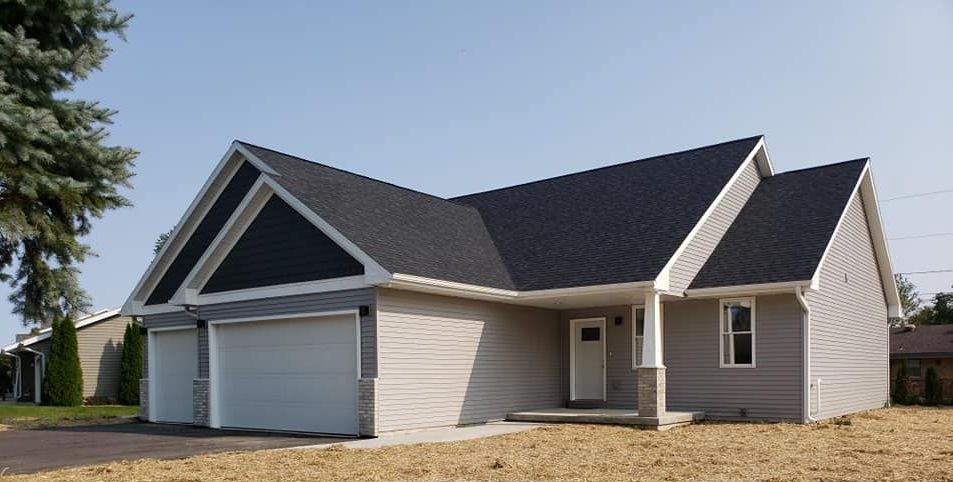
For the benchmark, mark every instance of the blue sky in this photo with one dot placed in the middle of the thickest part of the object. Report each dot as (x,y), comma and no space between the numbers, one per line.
(452,99)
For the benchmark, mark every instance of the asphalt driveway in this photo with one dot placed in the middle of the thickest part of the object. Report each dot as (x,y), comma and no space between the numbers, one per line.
(27,451)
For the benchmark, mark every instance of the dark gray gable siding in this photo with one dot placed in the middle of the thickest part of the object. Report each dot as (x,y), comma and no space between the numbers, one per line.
(615,224)
(781,233)
(281,246)
(204,233)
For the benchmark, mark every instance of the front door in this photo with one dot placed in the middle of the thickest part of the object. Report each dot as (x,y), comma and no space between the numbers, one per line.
(587,365)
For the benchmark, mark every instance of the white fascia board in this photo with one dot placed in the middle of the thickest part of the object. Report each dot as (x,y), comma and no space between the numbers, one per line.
(662,281)
(750,289)
(183,229)
(765,166)
(466,290)
(867,190)
(288,289)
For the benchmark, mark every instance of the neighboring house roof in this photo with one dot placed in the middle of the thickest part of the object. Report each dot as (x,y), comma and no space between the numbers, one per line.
(614,224)
(781,233)
(82,322)
(928,341)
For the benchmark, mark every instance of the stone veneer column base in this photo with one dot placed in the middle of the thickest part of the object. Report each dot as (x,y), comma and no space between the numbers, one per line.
(144,399)
(367,407)
(200,415)
(651,392)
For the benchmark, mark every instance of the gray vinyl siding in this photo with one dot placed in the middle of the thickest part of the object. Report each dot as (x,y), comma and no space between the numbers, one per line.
(703,244)
(849,324)
(449,361)
(621,379)
(772,391)
(309,303)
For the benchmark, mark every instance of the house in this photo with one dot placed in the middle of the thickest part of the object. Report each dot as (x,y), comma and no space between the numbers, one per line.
(296,296)
(914,349)
(99,338)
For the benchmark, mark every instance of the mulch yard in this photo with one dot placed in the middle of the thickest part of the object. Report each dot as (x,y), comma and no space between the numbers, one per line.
(891,444)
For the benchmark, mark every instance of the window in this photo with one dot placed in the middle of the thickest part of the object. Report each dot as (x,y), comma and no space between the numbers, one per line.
(737,322)
(590,334)
(638,334)
(911,367)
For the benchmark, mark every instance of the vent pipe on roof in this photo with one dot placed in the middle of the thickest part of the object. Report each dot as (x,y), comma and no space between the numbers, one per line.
(909,327)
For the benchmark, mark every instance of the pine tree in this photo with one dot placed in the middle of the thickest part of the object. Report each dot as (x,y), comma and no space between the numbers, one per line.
(900,394)
(131,369)
(56,172)
(933,391)
(63,381)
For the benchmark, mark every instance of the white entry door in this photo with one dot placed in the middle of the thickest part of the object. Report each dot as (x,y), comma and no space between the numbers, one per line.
(588,361)
(288,374)
(175,358)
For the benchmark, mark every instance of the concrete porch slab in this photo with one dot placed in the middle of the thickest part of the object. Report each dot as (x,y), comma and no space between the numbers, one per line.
(608,416)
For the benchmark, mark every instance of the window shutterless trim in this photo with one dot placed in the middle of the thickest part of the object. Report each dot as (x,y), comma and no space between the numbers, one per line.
(722,333)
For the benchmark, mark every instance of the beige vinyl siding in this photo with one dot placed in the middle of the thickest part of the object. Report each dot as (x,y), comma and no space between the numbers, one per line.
(849,324)
(691,260)
(621,379)
(100,355)
(449,361)
(772,391)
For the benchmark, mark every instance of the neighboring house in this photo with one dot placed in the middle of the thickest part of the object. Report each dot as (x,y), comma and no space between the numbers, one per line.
(99,339)
(914,349)
(297,296)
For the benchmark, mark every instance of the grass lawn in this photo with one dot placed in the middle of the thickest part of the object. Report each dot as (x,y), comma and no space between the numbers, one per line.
(32,416)
(892,444)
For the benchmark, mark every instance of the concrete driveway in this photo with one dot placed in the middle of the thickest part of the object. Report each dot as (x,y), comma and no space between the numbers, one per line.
(27,451)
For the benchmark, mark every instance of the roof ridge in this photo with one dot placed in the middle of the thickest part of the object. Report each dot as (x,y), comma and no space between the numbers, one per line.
(345,171)
(822,166)
(610,166)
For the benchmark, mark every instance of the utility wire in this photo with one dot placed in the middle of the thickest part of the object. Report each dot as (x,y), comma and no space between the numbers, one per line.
(922,194)
(919,236)
(929,271)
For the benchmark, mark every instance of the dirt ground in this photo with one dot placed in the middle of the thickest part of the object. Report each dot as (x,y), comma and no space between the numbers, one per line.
(891,444)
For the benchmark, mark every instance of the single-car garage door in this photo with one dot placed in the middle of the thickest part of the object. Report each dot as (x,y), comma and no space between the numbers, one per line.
(298,375)
(175,358)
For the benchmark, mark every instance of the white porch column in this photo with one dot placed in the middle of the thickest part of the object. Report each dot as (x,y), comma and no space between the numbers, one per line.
(652,371)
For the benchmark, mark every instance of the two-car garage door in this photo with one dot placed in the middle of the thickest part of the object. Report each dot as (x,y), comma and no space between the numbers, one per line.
(283,374)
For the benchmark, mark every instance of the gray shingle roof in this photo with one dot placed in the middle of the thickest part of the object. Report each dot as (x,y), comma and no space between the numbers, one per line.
(922,340)
(783,229)
(614,224)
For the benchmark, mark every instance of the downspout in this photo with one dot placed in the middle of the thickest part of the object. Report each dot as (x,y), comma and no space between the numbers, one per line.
(16,374)
(806,365)
(37,394)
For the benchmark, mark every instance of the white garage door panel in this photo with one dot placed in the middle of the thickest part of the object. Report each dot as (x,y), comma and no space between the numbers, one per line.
(176,365)
(298,375)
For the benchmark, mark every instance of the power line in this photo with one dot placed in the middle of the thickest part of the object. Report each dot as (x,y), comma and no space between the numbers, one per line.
(929,271)
(922,194)
(919,236)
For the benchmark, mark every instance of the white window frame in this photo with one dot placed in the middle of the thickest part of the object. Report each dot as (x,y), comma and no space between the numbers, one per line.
(636,339)
(722,332)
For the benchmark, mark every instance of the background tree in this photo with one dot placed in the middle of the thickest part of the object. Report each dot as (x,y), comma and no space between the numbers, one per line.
(909,297)
(932,390)
(941,313)
(56,173)
(130,371)
(63,381)
(160,242)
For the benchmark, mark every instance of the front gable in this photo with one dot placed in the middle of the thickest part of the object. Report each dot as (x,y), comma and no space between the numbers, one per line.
(279,247)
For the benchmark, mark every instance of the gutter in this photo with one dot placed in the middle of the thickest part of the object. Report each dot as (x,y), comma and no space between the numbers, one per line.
(806,366)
